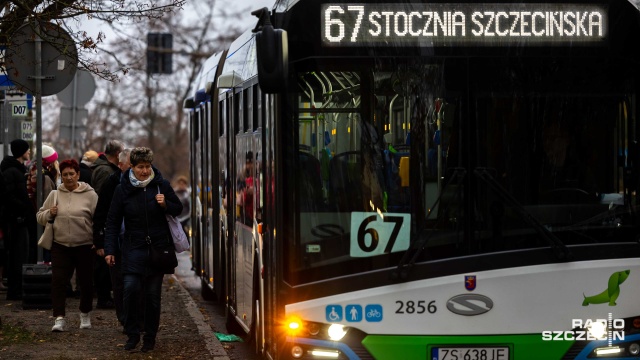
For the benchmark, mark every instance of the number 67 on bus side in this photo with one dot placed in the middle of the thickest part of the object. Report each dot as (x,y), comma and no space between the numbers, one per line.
(376,234)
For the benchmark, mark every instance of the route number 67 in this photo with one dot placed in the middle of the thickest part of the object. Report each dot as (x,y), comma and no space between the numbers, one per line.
(334,25)
(374,234)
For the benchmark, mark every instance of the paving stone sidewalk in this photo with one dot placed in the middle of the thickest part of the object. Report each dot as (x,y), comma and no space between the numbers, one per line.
(183,333)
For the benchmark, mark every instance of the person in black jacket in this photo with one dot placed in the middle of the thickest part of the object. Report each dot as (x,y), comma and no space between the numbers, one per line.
(3,253)
(99,224)
(142,199)
(105,165)
(20,216)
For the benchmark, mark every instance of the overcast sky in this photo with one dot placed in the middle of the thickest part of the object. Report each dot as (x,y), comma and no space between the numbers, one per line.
(252,4)
(244,7)
(241,7)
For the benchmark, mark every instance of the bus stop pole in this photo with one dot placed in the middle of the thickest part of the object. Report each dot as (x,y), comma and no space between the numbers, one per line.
(38,99)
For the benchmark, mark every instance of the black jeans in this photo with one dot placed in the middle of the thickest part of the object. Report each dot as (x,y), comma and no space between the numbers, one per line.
(64,260)
(101,279)
(17,251)
(132,292)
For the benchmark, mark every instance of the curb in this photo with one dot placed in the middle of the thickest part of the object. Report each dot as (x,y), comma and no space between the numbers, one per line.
(213,345)
(211,341)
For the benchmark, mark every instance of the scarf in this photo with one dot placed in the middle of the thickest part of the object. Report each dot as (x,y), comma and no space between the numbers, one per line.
(137,183)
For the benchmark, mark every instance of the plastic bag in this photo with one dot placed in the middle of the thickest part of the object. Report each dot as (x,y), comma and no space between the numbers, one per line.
(228,337)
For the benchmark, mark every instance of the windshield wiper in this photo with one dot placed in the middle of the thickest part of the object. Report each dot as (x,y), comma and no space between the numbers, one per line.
(560,250)
(610,219)
(408,259)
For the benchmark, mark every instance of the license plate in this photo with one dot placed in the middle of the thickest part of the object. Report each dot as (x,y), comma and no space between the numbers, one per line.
(470,353)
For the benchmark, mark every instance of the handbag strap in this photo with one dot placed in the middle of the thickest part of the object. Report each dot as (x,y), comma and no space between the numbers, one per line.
(145,213)
(146,219)
(55,202)
(148,238)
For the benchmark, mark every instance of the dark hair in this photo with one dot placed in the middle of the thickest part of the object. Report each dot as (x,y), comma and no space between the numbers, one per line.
(113,147)
(72,163)
(140,154)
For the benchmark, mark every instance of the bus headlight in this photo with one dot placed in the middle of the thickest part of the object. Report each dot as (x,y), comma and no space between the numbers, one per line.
(336,332)
(607,351)
(329,354)
(314,329)
(297,352)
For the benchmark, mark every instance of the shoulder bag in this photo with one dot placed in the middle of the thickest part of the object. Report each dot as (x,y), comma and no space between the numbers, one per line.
(162,257)
(46,240)
(180,240)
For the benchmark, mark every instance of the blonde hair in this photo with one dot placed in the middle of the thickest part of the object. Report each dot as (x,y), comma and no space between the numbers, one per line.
(90,157)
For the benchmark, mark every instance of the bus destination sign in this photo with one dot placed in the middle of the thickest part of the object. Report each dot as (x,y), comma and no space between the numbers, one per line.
(478,24)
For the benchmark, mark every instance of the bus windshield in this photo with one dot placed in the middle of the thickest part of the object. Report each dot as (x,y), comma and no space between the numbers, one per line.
(394,156)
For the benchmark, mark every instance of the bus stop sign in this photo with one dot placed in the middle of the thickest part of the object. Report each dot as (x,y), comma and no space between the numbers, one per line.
(59,58)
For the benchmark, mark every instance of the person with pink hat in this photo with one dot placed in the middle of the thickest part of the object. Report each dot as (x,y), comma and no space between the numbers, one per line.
(49,160)
(49,155)
(49,177)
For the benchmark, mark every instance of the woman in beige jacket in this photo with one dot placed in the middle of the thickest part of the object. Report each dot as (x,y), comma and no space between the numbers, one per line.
(71,210)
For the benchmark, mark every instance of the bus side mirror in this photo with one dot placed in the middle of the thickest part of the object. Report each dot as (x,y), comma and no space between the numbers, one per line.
(273,54)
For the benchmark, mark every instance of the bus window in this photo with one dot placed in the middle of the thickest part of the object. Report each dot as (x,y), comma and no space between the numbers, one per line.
(353,158)
(388,142)
(245,185)
(247,121)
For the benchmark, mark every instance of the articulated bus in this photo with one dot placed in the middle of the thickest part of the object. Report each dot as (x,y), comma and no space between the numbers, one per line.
(423,180)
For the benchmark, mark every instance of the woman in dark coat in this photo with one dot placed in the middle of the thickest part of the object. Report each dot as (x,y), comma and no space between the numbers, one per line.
(142,200)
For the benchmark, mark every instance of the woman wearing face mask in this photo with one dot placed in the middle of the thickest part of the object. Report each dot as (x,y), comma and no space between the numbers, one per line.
(70,208)
(142,200)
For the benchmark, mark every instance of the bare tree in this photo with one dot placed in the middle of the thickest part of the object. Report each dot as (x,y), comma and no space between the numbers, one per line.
(146,110)
(69,15)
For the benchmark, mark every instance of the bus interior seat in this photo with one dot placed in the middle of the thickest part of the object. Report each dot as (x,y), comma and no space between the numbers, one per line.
(399,199)
(402,148)
(403,171)
(346,180)
(309,182)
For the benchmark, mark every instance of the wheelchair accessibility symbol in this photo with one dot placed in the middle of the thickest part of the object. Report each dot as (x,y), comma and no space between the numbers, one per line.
(333,313)
(354,313)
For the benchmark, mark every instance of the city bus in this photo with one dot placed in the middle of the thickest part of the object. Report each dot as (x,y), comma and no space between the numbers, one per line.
(423,180)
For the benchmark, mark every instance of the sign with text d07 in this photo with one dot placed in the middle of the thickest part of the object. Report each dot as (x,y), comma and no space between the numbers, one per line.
(19,109)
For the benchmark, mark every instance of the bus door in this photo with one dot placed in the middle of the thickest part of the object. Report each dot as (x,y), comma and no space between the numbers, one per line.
(244,159)
(207,201)
(198,179)
(202,185)
(229,173)
(224,201)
